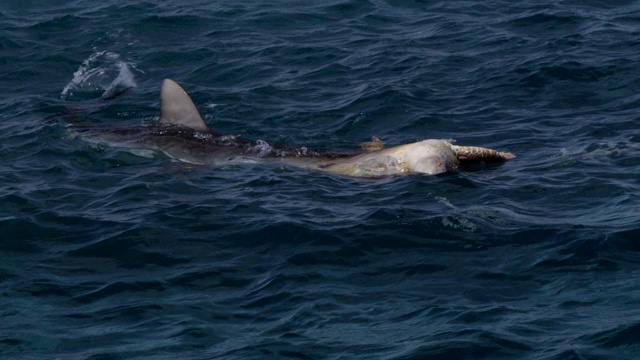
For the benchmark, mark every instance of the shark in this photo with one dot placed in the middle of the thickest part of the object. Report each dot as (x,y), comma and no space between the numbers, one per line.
(181,134)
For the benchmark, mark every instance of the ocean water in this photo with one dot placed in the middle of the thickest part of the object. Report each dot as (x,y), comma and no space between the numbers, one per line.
(107,254)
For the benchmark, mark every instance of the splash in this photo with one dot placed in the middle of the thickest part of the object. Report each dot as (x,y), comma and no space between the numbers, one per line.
(103,72)
(262,148)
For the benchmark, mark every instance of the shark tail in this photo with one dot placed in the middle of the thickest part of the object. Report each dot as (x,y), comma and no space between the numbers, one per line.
(474,154)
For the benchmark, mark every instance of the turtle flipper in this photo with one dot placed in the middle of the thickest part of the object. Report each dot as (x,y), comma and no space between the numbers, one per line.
(475,154)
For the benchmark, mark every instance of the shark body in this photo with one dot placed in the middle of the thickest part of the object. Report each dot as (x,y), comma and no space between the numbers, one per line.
(181,134)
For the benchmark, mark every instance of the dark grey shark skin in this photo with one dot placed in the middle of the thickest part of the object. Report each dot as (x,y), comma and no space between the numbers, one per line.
(181,134)
(190,146)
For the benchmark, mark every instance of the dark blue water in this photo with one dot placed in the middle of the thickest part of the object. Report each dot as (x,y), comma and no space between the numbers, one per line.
(108,255)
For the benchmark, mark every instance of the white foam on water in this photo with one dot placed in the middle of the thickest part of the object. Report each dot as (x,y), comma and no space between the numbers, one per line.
(262,148)
(104,72)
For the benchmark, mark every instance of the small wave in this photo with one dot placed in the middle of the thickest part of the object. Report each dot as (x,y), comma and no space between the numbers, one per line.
(103,72)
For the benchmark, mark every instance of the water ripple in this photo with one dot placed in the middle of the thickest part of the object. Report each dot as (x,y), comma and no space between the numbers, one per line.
(108,254)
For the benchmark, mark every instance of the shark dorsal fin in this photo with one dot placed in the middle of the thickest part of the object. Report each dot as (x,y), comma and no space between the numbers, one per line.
(176,108)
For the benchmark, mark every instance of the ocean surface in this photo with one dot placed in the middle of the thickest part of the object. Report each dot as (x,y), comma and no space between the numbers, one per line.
(107,254)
